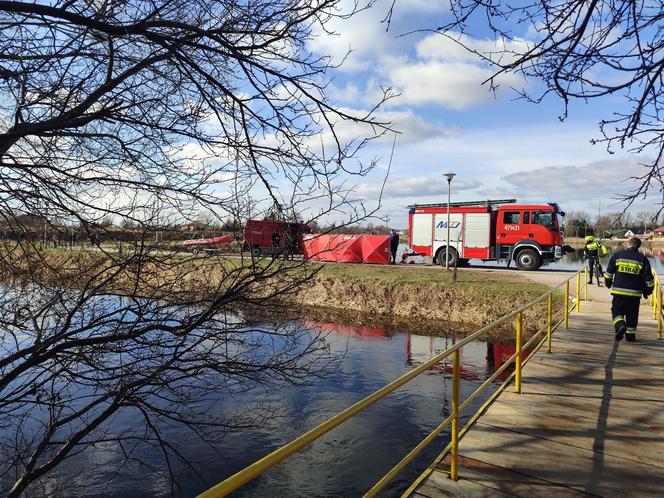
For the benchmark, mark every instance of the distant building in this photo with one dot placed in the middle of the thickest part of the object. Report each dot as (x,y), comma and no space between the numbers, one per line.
(195,226)
(644,236)
(658,233)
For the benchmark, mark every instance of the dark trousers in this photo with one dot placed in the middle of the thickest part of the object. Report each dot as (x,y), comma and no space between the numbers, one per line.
(625,310)
(393,256)
(591,268)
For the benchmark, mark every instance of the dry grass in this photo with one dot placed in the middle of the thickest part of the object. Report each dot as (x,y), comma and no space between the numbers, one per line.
(414,299)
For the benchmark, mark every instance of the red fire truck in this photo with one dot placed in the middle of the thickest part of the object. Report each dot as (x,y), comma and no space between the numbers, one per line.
(258,236)
(492,230)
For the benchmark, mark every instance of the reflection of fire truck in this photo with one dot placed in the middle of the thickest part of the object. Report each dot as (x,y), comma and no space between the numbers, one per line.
(421,348)
(350,330)
(497,230)
(478,359)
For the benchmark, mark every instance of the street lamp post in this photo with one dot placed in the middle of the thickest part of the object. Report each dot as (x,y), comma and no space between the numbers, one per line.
(449,177)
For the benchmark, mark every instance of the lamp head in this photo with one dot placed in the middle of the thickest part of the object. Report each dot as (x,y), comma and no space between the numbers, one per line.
(449,176)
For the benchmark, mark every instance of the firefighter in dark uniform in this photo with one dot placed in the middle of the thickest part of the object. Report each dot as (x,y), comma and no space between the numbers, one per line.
(591,252)
(629,276)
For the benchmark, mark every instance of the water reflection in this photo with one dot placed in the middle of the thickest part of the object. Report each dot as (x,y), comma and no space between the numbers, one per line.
(574,261)
(478,359)
(351,331)
(347,461)
(352,457)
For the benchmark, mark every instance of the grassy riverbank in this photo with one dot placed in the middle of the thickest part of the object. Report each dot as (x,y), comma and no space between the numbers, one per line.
(399,297)
(421,300)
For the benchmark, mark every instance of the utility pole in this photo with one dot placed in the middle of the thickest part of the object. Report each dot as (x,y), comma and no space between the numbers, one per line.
(449,177)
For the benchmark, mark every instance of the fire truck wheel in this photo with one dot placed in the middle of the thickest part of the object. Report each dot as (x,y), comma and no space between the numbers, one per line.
(528,259)
(453,257)
(194,251)
(256,251)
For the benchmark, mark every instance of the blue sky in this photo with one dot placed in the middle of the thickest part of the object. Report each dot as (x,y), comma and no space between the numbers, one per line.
(498,147)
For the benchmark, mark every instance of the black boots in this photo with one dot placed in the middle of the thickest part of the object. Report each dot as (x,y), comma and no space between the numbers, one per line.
(620,332)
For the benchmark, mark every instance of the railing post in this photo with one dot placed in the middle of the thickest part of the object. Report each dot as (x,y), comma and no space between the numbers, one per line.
(655,294)
(456,370)
(517,377)
(578,292)
(659,313)
(585,283)
(567,304)
(549,318)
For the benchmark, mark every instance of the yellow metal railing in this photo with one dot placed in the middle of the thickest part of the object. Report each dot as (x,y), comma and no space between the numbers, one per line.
(553,321)
(656,303)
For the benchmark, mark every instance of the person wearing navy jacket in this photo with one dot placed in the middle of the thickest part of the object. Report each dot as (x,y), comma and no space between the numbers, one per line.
(629,277)
(394,245)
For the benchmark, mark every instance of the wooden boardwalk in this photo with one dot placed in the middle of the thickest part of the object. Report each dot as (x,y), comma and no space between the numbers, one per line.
(589,421)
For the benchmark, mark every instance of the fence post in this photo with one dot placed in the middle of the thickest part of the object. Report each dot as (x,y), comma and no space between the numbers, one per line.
(567,304)
(517,378)
(659,313)
(549,317)
(578,292)
(585,283)
(655,295)
(456,371)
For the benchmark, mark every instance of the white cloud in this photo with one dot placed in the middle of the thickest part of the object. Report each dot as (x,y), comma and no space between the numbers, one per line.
(419,6)
(607,179)
(447,73)
(411,128)
(348,93)
(451,47)
(455,85)
(433,69)
(418,186)
(363,33)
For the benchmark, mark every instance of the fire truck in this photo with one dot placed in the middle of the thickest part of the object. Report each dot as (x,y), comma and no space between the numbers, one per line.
(491,230)
(258,236)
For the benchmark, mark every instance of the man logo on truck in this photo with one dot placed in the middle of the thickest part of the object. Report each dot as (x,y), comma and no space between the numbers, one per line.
(453,224)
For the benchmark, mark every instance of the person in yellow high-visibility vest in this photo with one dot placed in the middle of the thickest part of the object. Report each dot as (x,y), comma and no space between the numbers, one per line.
(593,251)
(629,277)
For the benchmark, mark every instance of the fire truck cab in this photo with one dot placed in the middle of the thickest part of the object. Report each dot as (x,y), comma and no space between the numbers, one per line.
(492,230)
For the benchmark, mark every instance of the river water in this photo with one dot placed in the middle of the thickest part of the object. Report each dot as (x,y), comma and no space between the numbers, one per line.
(351,458)
(345,462)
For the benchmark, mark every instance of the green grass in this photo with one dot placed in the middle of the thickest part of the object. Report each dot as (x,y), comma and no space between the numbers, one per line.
(414,274)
